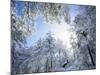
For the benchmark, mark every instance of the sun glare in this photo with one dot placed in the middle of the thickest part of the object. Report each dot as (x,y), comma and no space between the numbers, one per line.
(63,33)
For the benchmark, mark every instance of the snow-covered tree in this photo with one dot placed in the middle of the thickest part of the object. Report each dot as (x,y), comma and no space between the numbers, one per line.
(47,56)
(85,27)
(19,31)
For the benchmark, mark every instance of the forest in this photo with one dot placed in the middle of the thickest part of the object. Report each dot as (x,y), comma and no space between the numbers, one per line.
(52,37)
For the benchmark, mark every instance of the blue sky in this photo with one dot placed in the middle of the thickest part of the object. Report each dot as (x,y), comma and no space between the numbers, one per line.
(41,30)
(42,27)
(73,11)
(19,7)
